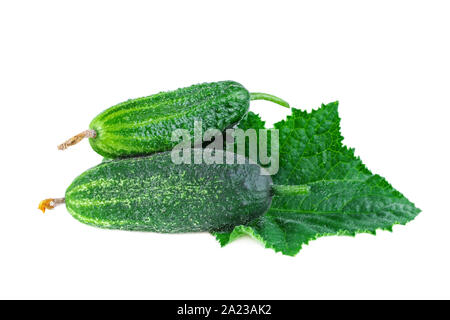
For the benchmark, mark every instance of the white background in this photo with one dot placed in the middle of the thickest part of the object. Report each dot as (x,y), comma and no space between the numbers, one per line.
(62,63)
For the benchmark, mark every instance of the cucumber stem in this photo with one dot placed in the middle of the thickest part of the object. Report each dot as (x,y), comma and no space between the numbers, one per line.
(288,190)
(77,138)
(50,203)
(268,97)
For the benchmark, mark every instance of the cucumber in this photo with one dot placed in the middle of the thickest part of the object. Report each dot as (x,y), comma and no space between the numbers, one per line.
(153,194)
(143,126)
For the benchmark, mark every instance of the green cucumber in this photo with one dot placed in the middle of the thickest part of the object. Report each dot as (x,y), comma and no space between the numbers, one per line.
(153,194)
(143,126)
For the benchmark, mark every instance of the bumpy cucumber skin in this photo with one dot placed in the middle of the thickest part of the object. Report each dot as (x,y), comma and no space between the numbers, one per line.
(154,194)
(145,125)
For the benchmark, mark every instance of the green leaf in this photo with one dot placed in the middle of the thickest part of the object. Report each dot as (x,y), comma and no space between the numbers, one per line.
(251,121)
(345,198)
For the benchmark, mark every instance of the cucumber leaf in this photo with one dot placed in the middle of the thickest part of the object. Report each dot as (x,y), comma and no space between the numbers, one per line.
(251,121)
(345,197)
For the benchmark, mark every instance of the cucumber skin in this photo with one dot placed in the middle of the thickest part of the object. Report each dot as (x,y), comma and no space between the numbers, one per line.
(144,125)
(153,194)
